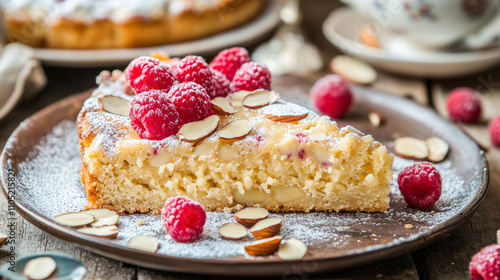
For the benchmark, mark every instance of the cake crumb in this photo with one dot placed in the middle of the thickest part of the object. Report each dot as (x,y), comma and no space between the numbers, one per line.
(140,222)
(408,226)
(432,212)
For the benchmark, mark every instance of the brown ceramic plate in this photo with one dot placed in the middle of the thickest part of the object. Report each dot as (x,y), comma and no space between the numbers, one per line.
(40,165)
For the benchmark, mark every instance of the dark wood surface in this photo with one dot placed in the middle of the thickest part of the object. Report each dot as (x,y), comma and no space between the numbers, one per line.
(445,259)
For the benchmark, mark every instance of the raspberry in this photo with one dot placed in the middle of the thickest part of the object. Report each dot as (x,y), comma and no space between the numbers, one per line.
(221,84)
(183,218)
(485,265)
(195,69)
(420,185)
(494,129)
(154,116)
(463,105)
(331,95)
(192,102)
(251,76)
(146,73)
(229,61)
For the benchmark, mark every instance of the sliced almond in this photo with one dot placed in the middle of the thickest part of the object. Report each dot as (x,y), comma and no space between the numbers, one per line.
(438,149)
(264,247)
(143,243)
(250,216)
(353,69)
(368,36)
(106,232)
(232,231)
(39,268)
(235,130)
(160,158)
(410,148)
(237,98)
(205,148)
(253,196)
(260,98)
(285,118)
(114,104)
(3,238)
(103,217)
(288,145)
(222,106)
(266,228)
(293,249)
(316,134)
(228,153)
(376,119)
(77,219)
(197,131)
(285,194)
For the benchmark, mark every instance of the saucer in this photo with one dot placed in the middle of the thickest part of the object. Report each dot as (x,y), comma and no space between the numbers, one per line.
(341,29)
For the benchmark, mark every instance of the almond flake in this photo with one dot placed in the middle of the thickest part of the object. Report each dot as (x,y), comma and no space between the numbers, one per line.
(438,149)
(77,219)
(260,98)
(293,249)
(115,105)
(236,98)
(353,69)
(250,216)
(285,118)
(39,268)
(410,148)
(143,243)
(235,130)
(264,247)
(222,106)
(106,232)
(232,231)
(266,228)
(197,131)
(376,119)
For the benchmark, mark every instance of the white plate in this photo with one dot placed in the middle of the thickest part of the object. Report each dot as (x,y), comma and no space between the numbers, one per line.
(240,36)
(341,28)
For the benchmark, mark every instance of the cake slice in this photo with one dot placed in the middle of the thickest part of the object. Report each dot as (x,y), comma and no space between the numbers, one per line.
(279,156)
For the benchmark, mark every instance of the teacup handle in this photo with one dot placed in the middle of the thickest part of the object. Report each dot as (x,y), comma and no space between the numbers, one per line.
(487,37)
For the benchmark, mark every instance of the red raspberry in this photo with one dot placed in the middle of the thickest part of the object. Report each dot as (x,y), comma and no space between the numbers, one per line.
(221,84)
(251,76)
(154,116)
(420,185)
(183,218)
(146,73)
(331,95)
(463,105)
(229,61)
(485,265)
(195,69)
(192,102)
(494,129)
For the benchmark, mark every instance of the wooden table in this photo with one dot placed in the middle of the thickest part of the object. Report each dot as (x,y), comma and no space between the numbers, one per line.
(445,259)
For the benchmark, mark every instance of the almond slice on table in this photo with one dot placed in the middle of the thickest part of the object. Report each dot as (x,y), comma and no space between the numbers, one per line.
(410,148)
(144,243)
(235,130)
(76,219)
(115,105)
(39,268)
(106,232)
(222,106)
(236,98)
(103,217)
(353,69)
(250,216)
(438,149)
(3,237)
(376,119)
(232,231)
(266,228)
(264,247)
(197,131)
(260,98)
(293,249)
(286,118)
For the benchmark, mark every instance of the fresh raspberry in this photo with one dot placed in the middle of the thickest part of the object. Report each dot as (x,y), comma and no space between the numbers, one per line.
(195,69)
(192,102)
(331,95)
(485,265)
(463,105)
(420,185)
(494,129)
(229,61)
(146,73)
(251,76)
(221,84)
(183,218)
(154,116)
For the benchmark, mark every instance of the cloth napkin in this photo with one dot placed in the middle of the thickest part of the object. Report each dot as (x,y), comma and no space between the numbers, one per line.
(21,76)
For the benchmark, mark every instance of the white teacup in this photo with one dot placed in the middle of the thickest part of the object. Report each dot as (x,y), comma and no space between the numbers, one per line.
(429,24)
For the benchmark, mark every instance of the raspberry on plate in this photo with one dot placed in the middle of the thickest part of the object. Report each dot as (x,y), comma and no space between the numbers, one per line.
(229,61)
(494,129)
(153,116)
(420,185)
(194,69)
(192,102)
(221,84)
(485,265)
(251,76)
(463,105)
(146,73)
(331,95)
(183,218)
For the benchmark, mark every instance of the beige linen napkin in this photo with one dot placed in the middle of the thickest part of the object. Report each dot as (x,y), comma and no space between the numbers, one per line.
(21,76)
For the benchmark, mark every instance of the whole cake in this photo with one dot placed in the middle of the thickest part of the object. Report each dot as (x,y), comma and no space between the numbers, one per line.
(86,24)
(249,148)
